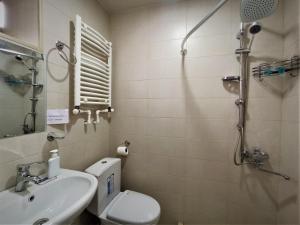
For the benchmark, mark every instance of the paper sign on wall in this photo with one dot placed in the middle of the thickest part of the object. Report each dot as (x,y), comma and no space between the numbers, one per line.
(57,116)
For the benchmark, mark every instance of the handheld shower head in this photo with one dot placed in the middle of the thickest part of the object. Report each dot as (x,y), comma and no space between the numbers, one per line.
(253,10)
(255,28)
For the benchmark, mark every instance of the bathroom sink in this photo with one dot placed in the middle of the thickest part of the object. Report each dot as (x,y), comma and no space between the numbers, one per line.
(58,201)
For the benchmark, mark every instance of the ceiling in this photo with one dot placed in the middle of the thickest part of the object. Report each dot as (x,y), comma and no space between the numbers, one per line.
(114,6)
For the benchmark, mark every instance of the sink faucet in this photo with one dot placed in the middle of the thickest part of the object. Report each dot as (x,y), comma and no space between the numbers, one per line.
(24,176)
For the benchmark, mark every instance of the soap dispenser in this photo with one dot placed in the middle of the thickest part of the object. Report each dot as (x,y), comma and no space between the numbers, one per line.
(53,164)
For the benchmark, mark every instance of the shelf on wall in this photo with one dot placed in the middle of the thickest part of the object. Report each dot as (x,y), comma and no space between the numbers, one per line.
(278,68)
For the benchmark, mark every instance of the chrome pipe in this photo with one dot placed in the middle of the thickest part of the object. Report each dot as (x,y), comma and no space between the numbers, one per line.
(243,51)
(207,17)
(34,94)
(286,177)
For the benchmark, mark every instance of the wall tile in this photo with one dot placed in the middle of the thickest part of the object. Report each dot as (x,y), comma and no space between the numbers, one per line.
(166,88)
(166,127)
(168,21)
(166,108)
(188,133)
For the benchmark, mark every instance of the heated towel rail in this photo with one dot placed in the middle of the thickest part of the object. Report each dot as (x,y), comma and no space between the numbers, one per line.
(93,68)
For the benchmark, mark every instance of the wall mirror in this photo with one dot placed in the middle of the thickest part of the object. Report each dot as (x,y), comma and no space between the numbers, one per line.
(22,91)
(20,22)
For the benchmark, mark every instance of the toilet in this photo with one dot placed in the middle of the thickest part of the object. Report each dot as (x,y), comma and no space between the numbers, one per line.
(112,206)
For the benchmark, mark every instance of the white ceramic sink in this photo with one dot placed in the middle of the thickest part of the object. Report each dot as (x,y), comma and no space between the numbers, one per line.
(60,200)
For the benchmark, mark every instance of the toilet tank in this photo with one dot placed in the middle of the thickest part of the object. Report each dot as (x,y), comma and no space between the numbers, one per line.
(108,173)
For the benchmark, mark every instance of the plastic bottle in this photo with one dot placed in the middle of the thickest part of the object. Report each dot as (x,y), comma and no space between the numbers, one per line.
(53,164)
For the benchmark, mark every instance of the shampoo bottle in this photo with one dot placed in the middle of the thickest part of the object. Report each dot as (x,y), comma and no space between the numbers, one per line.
(53,164)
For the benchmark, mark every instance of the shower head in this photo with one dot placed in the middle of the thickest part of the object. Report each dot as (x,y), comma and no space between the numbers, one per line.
(19,58)
(253,10)
(255,28)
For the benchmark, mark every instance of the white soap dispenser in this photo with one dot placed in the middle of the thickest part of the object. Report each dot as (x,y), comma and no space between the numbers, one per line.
(53,164)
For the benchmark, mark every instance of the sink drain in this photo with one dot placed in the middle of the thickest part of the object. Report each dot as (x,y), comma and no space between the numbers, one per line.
(41,221)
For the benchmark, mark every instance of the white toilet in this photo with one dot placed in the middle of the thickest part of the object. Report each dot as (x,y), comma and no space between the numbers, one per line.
(115,207)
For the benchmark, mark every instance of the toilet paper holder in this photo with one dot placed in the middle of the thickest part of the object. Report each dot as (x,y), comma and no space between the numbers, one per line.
(122,150)
(126,143)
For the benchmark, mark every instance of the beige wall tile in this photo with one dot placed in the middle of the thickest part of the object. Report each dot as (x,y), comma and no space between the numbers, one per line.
(288,202)
(137,89)
(210,46)
(264,109)
(166,108)
(135,108)
(165,49)
(129,125)
(207,150)
(239,214)
(209,129)
(165,68)
(206,88)
(165,88)
(165,146)
(168,21)
(210,66)
(209,108)
(166,127)
(219,24)
(289,155)
(190,122)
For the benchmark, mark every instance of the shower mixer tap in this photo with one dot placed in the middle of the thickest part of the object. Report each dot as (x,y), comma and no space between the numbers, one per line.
(257,158)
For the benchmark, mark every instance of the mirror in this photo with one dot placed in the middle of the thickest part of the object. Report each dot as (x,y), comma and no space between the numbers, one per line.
(22,91)
(19,21)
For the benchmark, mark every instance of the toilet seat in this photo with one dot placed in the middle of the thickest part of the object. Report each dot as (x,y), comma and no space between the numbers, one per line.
(134,208)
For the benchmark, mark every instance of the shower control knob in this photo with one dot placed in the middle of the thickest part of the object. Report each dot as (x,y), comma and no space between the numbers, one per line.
(258,156)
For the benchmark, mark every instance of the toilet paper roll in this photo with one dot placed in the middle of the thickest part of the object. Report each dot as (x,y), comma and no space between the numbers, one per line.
(122,150)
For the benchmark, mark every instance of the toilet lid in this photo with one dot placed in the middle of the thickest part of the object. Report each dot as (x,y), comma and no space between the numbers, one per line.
(134,208)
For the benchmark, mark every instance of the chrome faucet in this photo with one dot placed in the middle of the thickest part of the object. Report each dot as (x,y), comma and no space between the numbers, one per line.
(24,176)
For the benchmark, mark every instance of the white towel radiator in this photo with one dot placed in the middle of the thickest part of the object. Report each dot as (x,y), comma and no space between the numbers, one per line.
(93,67)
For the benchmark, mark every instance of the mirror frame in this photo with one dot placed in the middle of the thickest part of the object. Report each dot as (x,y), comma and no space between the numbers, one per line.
(19,42)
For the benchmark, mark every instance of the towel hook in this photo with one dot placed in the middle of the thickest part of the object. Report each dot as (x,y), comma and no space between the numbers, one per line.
(60,47)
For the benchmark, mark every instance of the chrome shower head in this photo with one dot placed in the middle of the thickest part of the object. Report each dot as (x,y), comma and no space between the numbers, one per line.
(19,58)
(253,10)
(255,28)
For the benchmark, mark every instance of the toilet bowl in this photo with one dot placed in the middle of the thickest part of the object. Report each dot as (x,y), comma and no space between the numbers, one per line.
(112,206)
(131,207)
